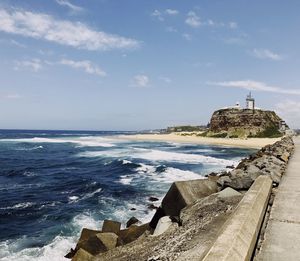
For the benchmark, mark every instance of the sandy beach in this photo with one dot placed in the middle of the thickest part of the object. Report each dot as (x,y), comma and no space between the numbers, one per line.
(232,142)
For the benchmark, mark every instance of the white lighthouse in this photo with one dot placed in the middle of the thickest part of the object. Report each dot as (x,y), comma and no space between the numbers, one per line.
(250,102)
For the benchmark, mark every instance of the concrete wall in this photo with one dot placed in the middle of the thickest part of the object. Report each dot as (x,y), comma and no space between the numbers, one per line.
(238,236)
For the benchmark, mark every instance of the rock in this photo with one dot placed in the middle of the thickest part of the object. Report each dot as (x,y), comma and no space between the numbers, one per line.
(82,255)
(163,224)
(111,226)
(153,199)
(228,192)
(285,157)
(109,240)
(133,209)
(183,193)
(152,206)
(233,122)
(230,167)
(131,221)
(132,233)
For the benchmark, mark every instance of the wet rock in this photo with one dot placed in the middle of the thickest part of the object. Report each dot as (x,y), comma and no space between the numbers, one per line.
(153,199)
(131,221)
(152,206)
(111,226)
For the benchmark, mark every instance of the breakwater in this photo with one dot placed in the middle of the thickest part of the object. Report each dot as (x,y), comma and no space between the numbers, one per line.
(193,213)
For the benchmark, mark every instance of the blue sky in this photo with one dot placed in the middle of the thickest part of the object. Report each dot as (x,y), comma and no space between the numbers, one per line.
(140,64)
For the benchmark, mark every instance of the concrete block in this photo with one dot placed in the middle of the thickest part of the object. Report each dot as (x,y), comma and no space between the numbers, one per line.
(132,233)
(82,255)
(163,224)
(238,236)
(228,192)
(109,240)
(111,226)
(183,193)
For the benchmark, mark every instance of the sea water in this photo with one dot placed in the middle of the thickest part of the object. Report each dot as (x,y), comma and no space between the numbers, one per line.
(54,183)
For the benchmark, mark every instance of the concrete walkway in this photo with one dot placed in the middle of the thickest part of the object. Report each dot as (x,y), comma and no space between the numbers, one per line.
(282,236)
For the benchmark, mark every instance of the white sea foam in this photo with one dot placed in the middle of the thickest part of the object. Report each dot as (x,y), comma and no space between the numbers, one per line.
(91,194)
(173,174)
(125,179)
(89,141)
(19,205)
(55,250)
(160,156)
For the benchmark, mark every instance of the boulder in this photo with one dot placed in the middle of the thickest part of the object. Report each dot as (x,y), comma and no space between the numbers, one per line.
(131,221)
(163,224)
(237,179)
(153,199)
(111,226)
(132,233)
(82,255)
(228,192)
(181,194)
(285,156)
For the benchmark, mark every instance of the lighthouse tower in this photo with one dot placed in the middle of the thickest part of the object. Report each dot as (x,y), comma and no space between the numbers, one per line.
(250,102)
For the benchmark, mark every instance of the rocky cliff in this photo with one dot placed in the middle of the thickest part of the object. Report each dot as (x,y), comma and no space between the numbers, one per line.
(241,123)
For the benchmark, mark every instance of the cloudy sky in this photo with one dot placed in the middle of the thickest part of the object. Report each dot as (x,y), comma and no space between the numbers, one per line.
(140,64)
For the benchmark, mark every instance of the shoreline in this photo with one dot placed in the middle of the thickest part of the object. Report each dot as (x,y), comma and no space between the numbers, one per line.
(255,143)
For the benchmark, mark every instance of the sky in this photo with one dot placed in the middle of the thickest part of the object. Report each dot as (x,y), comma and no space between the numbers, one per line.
(140,64)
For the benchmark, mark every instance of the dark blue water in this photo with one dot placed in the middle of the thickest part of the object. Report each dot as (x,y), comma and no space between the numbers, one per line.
(53,183)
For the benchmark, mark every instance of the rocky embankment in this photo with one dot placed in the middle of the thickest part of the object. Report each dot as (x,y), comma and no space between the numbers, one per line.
(190,217)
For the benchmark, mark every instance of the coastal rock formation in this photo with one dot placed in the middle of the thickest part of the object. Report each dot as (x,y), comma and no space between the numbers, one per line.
(241,123)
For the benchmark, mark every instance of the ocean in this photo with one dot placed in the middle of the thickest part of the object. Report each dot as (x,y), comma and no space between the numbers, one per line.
(54,183)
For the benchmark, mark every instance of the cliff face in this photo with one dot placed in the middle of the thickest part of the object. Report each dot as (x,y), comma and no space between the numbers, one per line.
(244,122)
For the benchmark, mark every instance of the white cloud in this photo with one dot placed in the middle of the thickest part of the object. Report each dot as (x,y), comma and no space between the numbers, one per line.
(140,80)
(171,29)
(256,86)
(16,43)
(11,96)
(34,65)
(172,12)
(232,25)
(157,14)
(86,65)
(290,111)
(193,20)
(74,8)
(75,34)
(187,37)
(266,54)
(165,79)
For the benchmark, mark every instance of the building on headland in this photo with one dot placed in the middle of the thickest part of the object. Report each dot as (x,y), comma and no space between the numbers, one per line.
(248,121)
(250,102)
